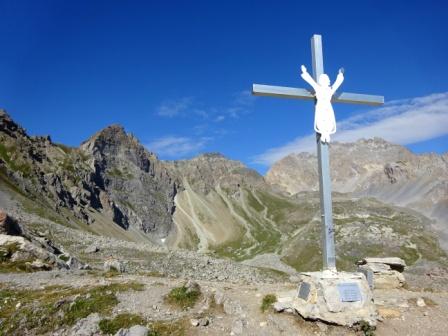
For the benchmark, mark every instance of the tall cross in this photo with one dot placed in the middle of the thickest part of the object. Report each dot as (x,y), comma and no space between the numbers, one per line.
(329,256)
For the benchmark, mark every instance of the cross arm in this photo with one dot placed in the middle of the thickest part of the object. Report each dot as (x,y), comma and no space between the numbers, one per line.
(298,93)
(281,92)
(358,98)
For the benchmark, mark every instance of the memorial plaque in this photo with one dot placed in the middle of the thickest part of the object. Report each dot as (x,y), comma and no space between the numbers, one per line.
(349,292)
(304,290)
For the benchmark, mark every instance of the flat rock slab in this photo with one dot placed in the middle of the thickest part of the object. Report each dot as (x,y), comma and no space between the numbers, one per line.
(394,263)
(334,297)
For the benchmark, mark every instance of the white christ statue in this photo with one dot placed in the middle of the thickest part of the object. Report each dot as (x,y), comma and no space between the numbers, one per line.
(324,120)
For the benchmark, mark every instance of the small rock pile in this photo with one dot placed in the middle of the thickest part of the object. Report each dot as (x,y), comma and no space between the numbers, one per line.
(385,273)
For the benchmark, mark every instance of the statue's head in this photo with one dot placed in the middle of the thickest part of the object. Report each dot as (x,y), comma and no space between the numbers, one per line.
(324,80)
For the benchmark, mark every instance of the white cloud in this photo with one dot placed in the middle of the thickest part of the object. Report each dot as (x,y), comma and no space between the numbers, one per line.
(242,104)
(404,122)
(176,147)
(174,108)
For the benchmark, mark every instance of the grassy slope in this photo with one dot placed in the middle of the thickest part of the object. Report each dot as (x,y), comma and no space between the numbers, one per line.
(270,223)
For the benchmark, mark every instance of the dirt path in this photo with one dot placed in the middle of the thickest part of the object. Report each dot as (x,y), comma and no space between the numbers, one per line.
(241,314)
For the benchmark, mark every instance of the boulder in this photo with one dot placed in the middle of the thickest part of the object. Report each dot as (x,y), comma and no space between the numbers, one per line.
(136,330)
(88,326)
(394,263)
(39,265)
(114,265)
(91,249)
(420,302)
(386,272)
(192,286)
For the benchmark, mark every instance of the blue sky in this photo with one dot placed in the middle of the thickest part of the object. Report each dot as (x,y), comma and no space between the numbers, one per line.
(178,74)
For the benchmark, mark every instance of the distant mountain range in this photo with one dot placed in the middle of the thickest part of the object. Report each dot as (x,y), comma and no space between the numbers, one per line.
(387,201)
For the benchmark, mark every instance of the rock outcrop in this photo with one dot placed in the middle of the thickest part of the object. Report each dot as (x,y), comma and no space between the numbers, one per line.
(386,273)
(25,251)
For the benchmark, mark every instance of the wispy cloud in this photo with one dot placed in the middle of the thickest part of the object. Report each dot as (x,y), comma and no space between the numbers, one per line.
(242,104)
(220,118)
(177,147)
(173,108)
(403,122)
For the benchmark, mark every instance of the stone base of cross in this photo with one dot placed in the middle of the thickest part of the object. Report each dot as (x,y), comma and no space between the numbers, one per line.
(341,298)
(329,256)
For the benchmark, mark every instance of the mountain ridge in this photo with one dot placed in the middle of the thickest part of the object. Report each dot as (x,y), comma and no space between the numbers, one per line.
(113,186)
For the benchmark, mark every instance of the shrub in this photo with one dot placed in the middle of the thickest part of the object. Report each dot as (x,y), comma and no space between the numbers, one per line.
(268,301)
(182,297)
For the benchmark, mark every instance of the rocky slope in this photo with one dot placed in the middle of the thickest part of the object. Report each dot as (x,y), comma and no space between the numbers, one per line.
(113,187)
(375,168)
(110,184)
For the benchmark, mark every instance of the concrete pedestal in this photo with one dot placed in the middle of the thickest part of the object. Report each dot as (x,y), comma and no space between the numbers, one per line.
(335,297)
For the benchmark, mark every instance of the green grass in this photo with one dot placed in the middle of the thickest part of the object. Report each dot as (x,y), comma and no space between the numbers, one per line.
(168,328)
(265,237)
(111,326)
(253,202)
(43,311)
(267,302)
(182,298)
(278,207)
(64,257)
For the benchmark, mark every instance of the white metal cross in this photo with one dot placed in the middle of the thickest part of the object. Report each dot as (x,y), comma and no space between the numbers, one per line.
(329,255)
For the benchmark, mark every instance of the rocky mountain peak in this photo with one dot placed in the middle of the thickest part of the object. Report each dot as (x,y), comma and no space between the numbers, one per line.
(9,126)
(113,136)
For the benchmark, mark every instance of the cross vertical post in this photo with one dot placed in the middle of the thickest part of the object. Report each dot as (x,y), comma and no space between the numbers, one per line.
(329,255)
(323,158)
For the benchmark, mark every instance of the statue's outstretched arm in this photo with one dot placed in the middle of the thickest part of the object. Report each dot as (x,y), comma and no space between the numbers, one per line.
(307,78)
(339,79)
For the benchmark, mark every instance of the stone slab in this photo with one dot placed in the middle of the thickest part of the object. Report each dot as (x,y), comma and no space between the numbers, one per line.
(335,297)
